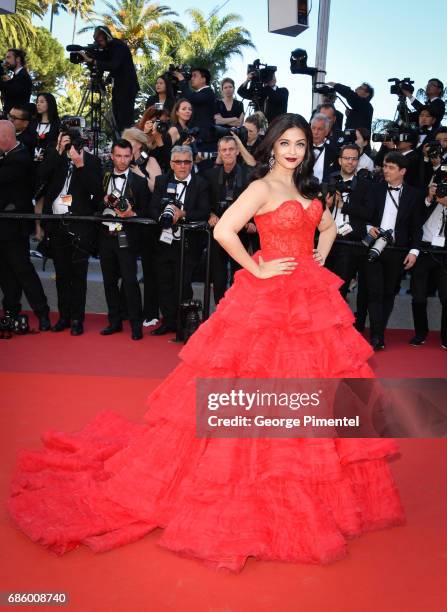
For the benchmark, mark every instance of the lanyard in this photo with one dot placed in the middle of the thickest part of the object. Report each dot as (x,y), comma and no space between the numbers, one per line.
(396,204)
(68,179)
(122,188)
(444,221)
(179,197)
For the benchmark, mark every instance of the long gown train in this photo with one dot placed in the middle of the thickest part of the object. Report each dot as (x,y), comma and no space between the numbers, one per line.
(224,500)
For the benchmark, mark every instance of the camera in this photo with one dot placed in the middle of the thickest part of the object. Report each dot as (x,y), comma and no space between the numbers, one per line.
(262,75)
(376,176)
(347,137)
(336,183)
(93,50)
(73,126)
(166,219)
(441,189)
(323,89)
(377,245)
(116,200)
(142,159)
(434,149)
(184,69)
(405,132)
(221,130)
(399,84)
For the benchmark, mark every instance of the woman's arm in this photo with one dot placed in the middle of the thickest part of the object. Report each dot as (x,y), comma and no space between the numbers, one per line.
(246,156)
(328,233)
(173,133)
(228,121)
(234,219)
(154,170)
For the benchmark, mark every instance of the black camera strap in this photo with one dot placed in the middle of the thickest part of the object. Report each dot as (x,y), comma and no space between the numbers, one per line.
(123,188)
(396,204)
(443,223)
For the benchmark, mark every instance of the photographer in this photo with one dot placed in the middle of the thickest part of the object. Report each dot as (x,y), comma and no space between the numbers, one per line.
(329,111)
(433,91)
(426,121)
(227,182)
(434,234)
(395,208)
(164,94)
(73,187)
(180,122)
(17,273)
(435,155)
(361,112)
(178,195)
(325,154)
(127,195)
(155,124)
(203,101)
(146,166)
(116,59)
(346,200)
(260,86)
(15,90)
(414,175)
(20,117)
(229,112)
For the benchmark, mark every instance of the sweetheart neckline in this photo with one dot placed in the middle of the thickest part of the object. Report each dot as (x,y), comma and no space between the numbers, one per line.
(269,212)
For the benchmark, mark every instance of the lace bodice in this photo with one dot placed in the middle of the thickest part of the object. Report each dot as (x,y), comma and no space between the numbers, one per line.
(289,229)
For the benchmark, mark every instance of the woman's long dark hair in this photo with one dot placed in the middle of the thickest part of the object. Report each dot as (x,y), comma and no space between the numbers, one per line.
(53,115)
(170,96)
(303,176)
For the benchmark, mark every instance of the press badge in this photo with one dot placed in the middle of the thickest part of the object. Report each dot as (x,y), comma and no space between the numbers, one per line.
(167,236)
(438,241)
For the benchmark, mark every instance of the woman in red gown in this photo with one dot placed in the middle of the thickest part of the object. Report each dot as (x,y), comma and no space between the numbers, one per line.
(224,500)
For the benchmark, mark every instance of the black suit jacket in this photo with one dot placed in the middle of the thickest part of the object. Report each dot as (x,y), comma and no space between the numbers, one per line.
(16,91)
(139,196)
(203,104)
(273,102)
(16,191)
(214,176)
(415,175)
(409,221)
(197,198)
(85,188)
(117,61)
(356,208)
(361,112)
(330,164)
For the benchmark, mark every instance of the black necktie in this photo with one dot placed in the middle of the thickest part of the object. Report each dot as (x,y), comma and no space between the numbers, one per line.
(121,176)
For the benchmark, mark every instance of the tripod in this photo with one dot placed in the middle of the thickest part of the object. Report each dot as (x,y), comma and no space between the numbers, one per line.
(95,94)
(402,114)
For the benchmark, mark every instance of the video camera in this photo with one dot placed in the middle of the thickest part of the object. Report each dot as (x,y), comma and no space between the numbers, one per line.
(399,84)
(221,130)
(184,69)
(323,89)
(261,75)
(405,132)
(73,126)
(93,50)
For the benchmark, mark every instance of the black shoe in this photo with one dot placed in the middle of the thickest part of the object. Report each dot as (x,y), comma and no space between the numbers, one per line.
(44,323)
(444,344)
(61,325)
(77,328)
(137,332)
(417,340)
(165,328)
(111,329)
(377,343)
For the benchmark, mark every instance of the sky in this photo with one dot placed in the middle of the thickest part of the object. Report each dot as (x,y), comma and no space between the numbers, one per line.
(368,40)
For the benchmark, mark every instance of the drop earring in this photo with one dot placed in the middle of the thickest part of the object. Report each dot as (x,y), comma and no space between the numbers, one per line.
(272,161)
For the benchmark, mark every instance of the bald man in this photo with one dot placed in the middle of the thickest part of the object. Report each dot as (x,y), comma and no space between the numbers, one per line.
(17,273)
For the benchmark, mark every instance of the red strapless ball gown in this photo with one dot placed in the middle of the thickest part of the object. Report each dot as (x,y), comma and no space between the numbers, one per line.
(223,500)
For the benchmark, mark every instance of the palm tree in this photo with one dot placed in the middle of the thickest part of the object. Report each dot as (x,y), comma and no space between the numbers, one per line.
(133,20)
(17,29)
(213,40)
(79,8)
(56,6)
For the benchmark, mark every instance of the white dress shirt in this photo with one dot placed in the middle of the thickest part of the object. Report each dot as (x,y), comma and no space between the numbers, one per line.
(434,227)
(319,163)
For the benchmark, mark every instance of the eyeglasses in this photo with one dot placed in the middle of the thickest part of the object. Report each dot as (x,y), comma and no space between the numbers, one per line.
(15,118)
(181,162)
(350,158)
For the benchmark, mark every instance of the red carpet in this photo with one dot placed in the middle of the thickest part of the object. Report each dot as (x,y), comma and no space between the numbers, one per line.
(56,381)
